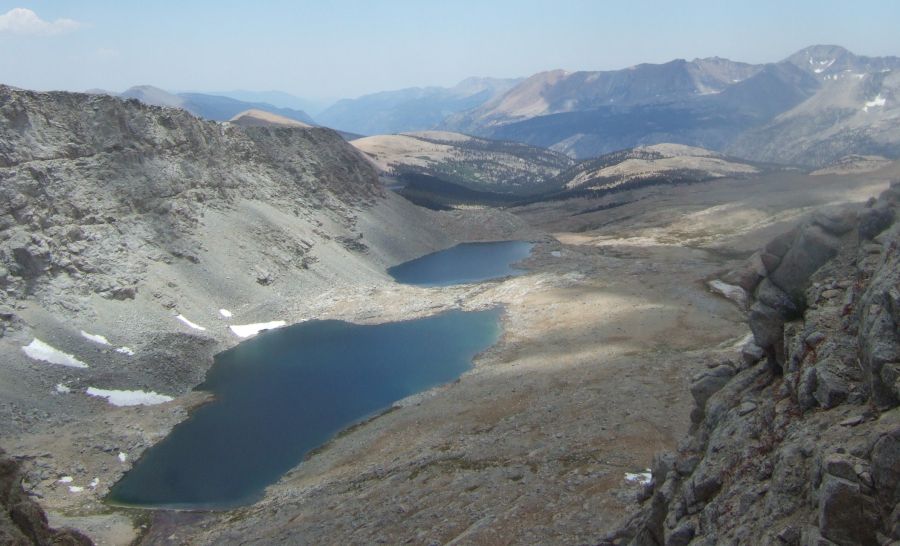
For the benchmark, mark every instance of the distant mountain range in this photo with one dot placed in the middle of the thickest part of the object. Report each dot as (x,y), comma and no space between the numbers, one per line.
(812,108)
(212,107)
(413,109)
(279,99)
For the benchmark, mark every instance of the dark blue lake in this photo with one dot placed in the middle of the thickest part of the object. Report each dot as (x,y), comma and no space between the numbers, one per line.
(463,263)
(288,391)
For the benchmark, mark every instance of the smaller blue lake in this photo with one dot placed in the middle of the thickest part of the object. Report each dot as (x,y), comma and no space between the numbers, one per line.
(463,263)
(287,391)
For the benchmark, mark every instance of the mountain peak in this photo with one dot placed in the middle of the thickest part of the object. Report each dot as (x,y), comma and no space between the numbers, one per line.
(155,96)
(820,59)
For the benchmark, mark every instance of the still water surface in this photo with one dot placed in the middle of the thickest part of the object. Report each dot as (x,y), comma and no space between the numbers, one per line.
(463,263)
(288,391)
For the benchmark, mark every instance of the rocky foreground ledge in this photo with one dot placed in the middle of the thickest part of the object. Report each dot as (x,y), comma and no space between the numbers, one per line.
(796,440)
(21,519)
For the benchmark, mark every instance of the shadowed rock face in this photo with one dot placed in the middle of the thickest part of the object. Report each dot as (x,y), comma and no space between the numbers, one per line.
(22,521)
(801,447)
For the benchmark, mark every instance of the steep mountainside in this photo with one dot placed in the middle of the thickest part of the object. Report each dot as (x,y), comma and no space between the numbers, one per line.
(856,109)
(475,163)
(118,217)
(558,91)
(413,109)
(651,165)
(797,440)
(213,107)
(818,105)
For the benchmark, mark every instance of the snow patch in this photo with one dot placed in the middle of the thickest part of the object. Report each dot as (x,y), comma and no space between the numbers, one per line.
(729,291)
(877,101)
(75,489)
(125,351)
(94,483)
(62,389)
(39,350)
(123,456)
(129,398)
(95,338)
(225,313)
(642,478)
(249,330)
(190,324)
(556,253)
(66,479)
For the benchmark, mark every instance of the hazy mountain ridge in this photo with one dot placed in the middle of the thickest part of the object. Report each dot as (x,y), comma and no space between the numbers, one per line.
(411,109)
(713,103)
(558,91)
(855,110)
(207,106)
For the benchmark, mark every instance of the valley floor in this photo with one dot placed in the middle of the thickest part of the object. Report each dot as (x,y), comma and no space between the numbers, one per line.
(589,380)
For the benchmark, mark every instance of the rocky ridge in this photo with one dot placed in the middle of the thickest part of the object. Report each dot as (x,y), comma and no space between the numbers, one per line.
(796,440)
(87,178)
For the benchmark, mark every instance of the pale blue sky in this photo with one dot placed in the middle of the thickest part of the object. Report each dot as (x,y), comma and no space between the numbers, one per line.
(345,48)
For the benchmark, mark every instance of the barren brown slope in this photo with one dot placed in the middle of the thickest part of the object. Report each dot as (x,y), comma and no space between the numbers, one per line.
(255,117)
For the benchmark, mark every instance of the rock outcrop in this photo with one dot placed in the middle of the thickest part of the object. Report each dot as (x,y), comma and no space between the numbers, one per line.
(22,521)
(796,441)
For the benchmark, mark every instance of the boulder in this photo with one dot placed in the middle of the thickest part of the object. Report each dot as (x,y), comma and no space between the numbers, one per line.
(879,348)
(777,299)
(767,325)
(831,389)
(812,249)
(708,383)
(873,221)
(846,516)
(845,466)
(885,468)
(806,388)
(770,262)
(835,220)
(779,246)
(751,353)
(681,535)
(748,274)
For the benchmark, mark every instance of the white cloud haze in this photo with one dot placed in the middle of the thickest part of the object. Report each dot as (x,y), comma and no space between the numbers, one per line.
(23,21)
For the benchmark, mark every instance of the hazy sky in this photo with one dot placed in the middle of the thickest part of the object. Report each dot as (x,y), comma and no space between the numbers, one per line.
(345,48)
